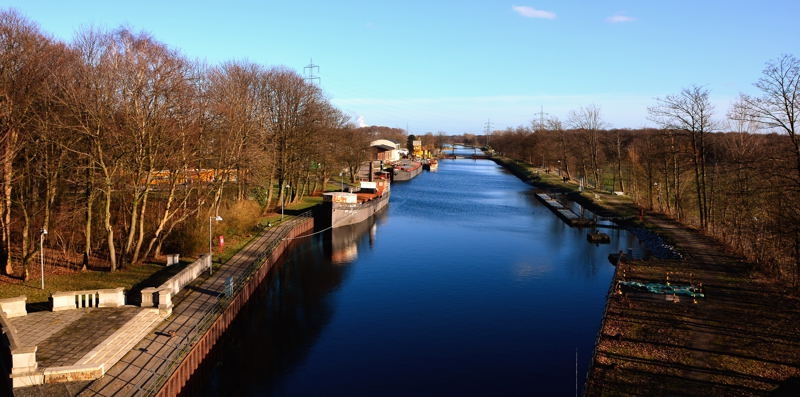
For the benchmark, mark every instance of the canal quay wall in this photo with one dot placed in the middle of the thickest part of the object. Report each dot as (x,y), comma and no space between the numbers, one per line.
(155,357)
(258,269)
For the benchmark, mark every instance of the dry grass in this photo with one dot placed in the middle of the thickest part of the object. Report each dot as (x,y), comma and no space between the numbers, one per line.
(62,270)
(742,338)
(65,279)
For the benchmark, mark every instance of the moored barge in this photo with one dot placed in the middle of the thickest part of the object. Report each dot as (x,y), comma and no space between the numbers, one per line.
(406,170)
(347,208)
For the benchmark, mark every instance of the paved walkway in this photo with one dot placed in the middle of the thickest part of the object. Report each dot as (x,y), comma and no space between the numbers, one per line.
(139,350)
(70,337)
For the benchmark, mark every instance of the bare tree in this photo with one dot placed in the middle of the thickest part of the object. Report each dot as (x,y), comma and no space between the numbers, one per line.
(238,113)
(149,83)
(92,100)
(294,114)
(587,120)
(690,112)
(328,159)
(555,125)
(25,69)
(42,157)
(778,109)
(352,147)
(618,158)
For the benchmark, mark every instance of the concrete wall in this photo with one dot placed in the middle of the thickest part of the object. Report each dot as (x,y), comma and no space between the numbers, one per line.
(187,275)
(13,307)
(161,296)
(23,358)
(68,300)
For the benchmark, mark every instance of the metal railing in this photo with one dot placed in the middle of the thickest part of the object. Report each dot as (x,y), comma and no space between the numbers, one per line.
(609,295)
(151,386)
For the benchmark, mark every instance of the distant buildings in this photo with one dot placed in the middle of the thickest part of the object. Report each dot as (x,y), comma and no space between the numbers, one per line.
(386,150)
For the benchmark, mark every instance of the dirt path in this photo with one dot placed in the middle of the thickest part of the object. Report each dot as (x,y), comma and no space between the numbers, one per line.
(741,339)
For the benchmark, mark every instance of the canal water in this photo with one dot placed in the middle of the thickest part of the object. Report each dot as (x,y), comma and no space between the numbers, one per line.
(466,285)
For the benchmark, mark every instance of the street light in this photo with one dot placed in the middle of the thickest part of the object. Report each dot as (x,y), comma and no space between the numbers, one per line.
(42,233)
(210,237)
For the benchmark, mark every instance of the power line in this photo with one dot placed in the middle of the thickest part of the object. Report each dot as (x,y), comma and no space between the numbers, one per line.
(541,117)
(487,127)
(310,69)
(487,130)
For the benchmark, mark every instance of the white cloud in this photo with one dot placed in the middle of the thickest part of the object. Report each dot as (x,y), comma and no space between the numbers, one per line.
(620,18)
(530,12)
(360,121)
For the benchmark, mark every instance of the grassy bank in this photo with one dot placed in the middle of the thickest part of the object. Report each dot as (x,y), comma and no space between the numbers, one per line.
(238,230)
(598,201)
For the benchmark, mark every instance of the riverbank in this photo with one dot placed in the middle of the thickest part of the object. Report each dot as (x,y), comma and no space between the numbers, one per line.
(742,338)
(167,355)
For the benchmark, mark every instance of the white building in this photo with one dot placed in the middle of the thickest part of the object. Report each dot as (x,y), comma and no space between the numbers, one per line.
(385,150)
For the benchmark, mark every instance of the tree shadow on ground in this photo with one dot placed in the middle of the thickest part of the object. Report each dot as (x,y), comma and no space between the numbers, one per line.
(789,388)
(134,296)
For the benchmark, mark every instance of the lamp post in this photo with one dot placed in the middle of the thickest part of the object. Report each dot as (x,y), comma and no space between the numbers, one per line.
(41,253)
(210,237)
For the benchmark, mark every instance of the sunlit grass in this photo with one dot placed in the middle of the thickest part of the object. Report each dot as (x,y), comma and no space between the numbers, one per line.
(76,281)
(237,235)
(621,205)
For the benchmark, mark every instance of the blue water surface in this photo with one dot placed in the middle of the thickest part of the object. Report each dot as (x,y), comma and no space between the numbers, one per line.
(466,285)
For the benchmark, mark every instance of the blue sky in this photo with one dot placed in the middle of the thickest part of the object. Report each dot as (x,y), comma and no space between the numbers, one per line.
(451,66)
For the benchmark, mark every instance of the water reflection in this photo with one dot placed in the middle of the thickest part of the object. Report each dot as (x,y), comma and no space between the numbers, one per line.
(525,271)
(275,330)
(344,241)
(466,285)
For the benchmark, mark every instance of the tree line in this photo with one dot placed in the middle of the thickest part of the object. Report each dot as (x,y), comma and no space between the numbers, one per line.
(117,144)
(737,179)
(120,146)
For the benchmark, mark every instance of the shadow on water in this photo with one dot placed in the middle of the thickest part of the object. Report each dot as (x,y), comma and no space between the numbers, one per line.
(284,317)
(471,287)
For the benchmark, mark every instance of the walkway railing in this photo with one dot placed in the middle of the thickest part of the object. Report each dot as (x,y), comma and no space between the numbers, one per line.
(68,300)
(609,295)
(233,287)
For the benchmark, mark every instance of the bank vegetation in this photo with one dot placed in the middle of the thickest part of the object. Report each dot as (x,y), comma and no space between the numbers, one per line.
(117,148)
(122,149)
(734,174)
